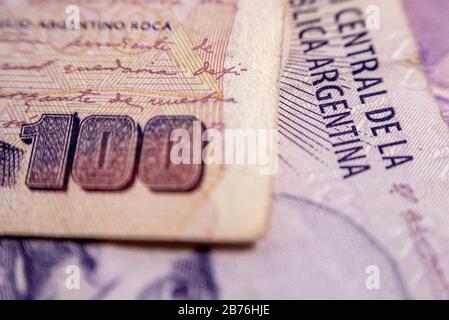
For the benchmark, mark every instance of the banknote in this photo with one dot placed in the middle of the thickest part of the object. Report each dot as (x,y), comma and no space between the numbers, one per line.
(360,131)
(113,115)
(328,239)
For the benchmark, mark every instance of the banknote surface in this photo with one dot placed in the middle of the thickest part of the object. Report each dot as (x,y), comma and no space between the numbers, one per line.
(320,245)
(87,108)
(360,132)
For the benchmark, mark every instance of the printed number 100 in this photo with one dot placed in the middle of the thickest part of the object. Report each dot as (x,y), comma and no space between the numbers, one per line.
(102,153)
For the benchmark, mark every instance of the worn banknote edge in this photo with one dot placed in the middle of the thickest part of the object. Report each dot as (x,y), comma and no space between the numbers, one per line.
(258,218)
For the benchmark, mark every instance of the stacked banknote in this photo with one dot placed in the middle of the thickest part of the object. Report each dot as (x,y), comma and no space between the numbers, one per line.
(360,191)
(112,104)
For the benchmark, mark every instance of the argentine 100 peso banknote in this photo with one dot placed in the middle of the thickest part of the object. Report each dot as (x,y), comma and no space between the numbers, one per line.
(114,114)
(360,131)
(359,204)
